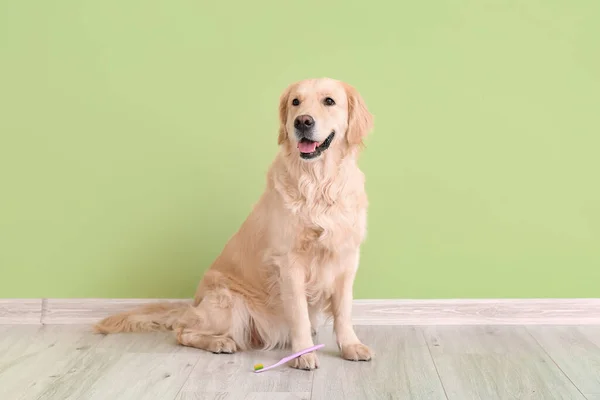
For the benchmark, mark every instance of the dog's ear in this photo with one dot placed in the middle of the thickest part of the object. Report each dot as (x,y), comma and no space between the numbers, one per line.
(283,110)
(360,120)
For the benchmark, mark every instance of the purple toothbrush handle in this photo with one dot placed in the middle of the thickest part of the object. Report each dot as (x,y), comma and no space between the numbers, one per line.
(301,352)
(291,357)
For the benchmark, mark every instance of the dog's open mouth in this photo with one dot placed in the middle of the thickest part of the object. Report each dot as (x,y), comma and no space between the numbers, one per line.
(311,149)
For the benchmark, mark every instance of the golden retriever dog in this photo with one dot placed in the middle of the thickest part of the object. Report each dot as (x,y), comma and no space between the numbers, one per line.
(295,257)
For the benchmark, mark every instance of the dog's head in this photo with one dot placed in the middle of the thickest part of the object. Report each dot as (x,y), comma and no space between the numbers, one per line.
(320,115)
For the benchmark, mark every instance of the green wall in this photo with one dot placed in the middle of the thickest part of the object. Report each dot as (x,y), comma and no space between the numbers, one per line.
(135,136)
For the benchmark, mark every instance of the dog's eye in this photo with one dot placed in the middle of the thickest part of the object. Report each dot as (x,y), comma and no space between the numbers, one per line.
(328,101)
(295,102)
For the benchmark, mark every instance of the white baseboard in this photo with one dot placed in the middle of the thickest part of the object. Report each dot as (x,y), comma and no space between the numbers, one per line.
(365,312)
(478,312)
(20,311)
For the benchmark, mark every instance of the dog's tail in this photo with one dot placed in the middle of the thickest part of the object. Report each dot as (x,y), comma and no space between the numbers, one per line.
(150,318)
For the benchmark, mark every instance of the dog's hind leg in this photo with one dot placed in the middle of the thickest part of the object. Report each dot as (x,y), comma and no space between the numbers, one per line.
(210,325)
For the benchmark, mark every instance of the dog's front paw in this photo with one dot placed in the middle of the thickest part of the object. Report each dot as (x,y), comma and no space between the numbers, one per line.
(357,352)
(306,361)
(222,346)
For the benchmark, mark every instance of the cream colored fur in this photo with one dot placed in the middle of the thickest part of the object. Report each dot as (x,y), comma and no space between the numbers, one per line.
(296,255)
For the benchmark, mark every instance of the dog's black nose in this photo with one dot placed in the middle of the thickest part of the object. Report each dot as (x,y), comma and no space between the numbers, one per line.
(304,123)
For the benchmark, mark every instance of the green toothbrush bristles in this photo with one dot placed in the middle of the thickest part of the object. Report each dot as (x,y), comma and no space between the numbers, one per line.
(258,367)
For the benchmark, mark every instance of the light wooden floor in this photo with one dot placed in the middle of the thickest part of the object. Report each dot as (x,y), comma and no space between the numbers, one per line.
(462,363)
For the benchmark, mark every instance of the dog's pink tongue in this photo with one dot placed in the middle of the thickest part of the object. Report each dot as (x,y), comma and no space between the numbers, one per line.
(307,147)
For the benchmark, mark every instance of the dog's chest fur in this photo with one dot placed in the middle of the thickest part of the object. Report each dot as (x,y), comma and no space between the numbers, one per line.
(331,227)
(329,212)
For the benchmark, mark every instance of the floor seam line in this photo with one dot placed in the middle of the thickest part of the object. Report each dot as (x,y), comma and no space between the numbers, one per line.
(187,378)
(434,364)
(554,361)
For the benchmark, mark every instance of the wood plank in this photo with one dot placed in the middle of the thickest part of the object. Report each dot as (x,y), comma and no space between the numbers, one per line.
(402,367)
(72,383)
(155,342)
(499,362)
(576,350)
(233,374)
(20,311)
(36,358)
(143,376)
(15,339)
(245,396)
(113,356)
(89,311)
(592,333)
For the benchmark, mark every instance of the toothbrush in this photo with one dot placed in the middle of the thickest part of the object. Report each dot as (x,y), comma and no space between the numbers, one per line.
(261,368)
